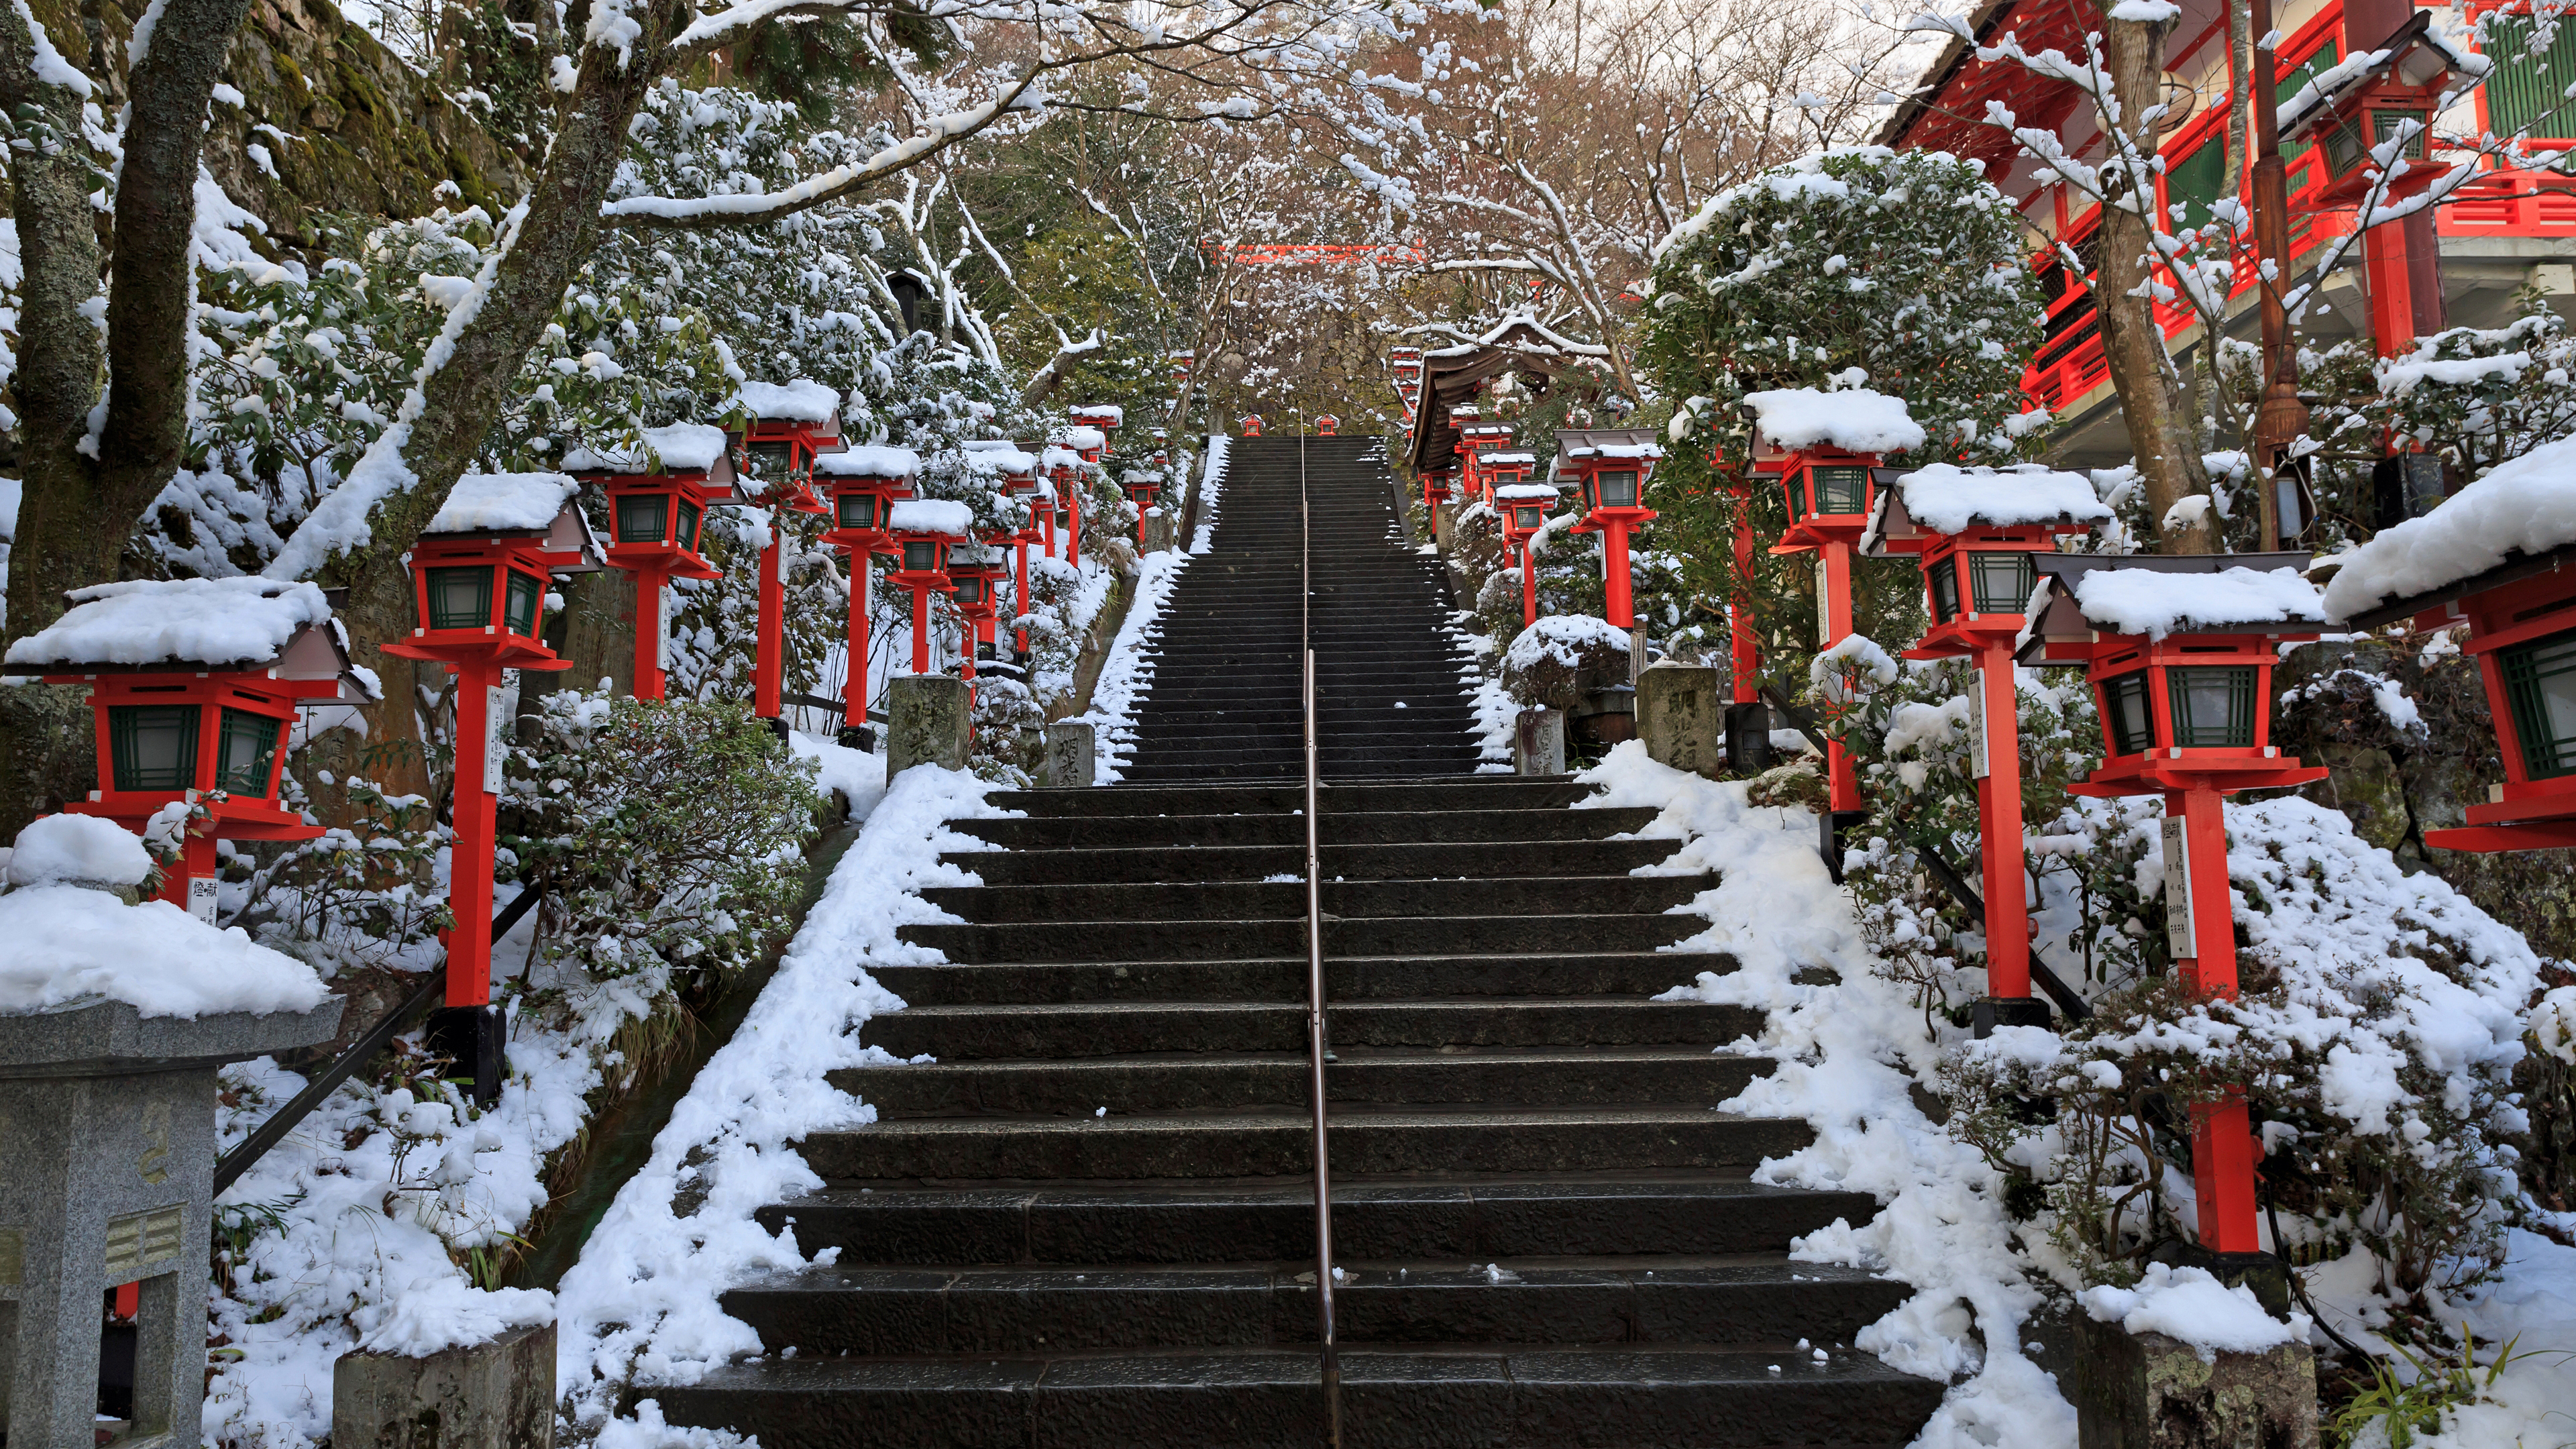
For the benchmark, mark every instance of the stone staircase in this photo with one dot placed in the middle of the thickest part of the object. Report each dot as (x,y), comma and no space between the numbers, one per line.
(1090,1220)
(1225,703)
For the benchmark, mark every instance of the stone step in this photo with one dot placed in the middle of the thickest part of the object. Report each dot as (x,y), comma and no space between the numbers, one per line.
(1531,1398)
(875,1311)
(1255,1144)
(1215,1081)
(993,904)
(1482,860)
(1369,936)
(1355,827)
(1513,792)
(1076,1029)
(1346,978)
(1460,1217)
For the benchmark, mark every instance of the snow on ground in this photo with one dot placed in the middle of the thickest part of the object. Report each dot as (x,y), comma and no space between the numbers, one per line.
(640,1307)
(2532,1307)
(1211,488)
(1849,1046)
(1129,670)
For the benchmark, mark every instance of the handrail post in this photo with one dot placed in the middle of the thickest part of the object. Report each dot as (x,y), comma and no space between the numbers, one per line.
(1332,1369)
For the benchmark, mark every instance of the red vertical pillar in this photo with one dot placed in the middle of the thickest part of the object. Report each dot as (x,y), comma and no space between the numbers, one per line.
(180,883)
(1833,601)
(1020,598)
(854,689)
(1073,525)
(469,858)
(2223,1154)
(1747,651)
(1529,581)
(921,628)
(773,627)
(648,633)
(2389,281)
(1999,824)
(1618,603)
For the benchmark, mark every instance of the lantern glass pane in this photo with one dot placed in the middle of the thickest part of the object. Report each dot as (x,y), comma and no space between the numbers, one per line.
(245,745)
(1841,490)
(688,535)
(460,598)
(154,746)
(1617,487)
(2344,147)
(855,510)
(921,558)
(1944,577)
(2127,722)
(1530,516)
(2384,122)
(770,457)
(643,517)
(519,610)
(2540,685)
(2213,705)
(2002,582)
(970,591)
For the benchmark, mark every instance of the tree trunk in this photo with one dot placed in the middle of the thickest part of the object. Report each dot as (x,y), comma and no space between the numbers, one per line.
(2142,371)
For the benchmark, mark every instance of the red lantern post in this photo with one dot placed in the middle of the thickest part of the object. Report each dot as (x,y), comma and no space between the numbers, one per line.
(791,424)
(1064,467)
(1608,468)
(924,529)
(1143,486)
(2499,557)
(2179,650)
(1525,508)
(1404,365)
(658,493)
(194,684)
(1326,425)
(1019,470)
(865,484)
(1485,447)
(1976,531)
(974,570)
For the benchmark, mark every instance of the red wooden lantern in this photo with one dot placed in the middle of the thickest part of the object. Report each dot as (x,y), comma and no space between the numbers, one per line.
(2364,103)
(774,458)
(2179,650)
(1102,418)
(1063,465)
(1019,479)
(1405,365)
(1249,425)
(924,530)
(1476,443)
(2500,557)
(658,492)
(1143,486)
(975,573)
(1608,468)
(863,485)
(1976,531)
(1525,507)
(1326,425)
(194,684)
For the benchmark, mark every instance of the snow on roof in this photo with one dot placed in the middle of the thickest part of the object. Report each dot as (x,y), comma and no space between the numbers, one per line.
(76,849)
(931,515)
(504,503)
(868,460)
(1526,493)
(187,621)
(2526,507)
(801,401)
(679,448)
(1855,420)
(1112,412)
(1084,439)
(1505,460)
(2155,603)
(1004,454)
(1056,457)
(1949,499)
(67,944)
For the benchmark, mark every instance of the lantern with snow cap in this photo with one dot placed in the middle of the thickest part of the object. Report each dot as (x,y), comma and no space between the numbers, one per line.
(1327,425)
(1501,468)
(2179,650)
(658,491)
(1525,508)
(1608,469)
(975,572)
(1103,418)
(923,531)
(194,684)
(863,486)
(1019,480)
(1249,425)
(2363,104)
(1064,463)
(1478,441)
(2498,558)
(774,458)
(1977,531)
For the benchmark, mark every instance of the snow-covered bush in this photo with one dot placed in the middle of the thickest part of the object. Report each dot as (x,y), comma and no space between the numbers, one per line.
(1004,712)
(364,893)
(1558,661)
(665,835)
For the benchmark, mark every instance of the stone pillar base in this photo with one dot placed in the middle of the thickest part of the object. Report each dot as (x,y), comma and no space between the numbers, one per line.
(1070,756)
(2148,1391)
(1538,742)
(926,720)
(1154,532)
(1678,716)
(494,1395)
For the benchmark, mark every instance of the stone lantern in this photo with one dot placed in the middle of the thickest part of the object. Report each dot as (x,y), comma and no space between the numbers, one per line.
(863,486)
(1608,468)
(479,575)
(1525,508)
(194,684)
(2499,557)
(2179,650)
(658,493)
(923,531)
(2353,109)
(1976,531)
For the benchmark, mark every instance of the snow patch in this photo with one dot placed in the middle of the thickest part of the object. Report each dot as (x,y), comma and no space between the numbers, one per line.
(68,944)
(192,621)
(2526,506)
(2145,601)
(1856,420)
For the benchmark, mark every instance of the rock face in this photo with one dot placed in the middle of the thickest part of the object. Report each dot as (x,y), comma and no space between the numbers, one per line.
(331,122)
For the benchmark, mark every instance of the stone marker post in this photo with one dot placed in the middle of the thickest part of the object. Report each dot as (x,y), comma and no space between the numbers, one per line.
(1070,757)
(497,1394)
(107,1166)
(1538,742)
(926,722)
(1154,531)
(1678,716)
(2148,1391)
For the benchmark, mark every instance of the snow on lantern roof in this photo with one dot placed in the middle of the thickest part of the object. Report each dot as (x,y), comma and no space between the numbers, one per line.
(2082,595)
(504,503)
(1855,420)
(679,448)
(1002,453)
(801,401)
(1526,493)
(868,460)
(1507,460)
(225,623)
(1078,437)
(931,515)
(1115,415)
(1059,457)
(1945,498)
(2523,511)
(1135,476)
(2328,87)
(1585,445)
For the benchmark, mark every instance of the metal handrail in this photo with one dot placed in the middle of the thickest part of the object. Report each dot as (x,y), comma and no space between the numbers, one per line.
(1332,1367)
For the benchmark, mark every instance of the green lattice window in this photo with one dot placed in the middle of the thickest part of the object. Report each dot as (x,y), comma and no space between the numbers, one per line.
(2130,722)
(154,746)
(2213,705)
(245,747)
(2540,685)
(2529,90)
